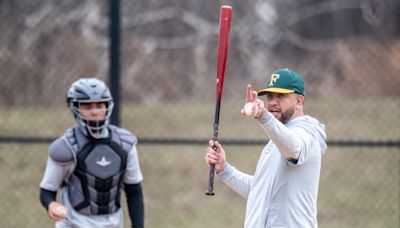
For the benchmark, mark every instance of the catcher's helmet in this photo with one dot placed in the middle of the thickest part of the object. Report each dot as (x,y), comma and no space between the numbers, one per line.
(90,90)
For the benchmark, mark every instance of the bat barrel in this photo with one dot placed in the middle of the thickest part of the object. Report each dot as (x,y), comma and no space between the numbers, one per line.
(223,42)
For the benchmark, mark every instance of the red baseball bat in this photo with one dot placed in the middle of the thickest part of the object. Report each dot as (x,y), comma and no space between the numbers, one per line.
(223,42)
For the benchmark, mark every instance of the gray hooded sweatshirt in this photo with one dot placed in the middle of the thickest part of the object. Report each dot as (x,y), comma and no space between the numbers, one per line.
(283,191)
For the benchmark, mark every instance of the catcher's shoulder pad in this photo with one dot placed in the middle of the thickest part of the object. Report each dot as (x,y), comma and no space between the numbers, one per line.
(123,137)
(60,152)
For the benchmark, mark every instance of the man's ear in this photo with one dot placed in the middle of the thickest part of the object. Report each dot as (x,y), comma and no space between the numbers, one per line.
(300,99)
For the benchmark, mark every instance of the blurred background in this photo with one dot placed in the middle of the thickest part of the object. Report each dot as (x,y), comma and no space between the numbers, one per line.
(347,50)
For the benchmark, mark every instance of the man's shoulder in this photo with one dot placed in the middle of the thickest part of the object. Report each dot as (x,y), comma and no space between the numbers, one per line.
(123,134)
(59,151)
(304,121)
(121,131)
(311,125)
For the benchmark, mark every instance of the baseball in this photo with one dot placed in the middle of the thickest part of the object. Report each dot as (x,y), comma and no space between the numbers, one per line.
(248,109)
(61,211)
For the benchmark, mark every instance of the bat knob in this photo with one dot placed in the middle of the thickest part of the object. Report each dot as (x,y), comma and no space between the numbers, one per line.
(209,193)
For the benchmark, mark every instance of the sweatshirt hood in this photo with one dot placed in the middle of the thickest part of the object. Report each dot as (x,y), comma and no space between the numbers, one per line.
(312,125)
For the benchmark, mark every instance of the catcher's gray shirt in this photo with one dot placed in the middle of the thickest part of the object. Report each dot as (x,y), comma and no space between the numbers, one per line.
(57,172)
(283,192)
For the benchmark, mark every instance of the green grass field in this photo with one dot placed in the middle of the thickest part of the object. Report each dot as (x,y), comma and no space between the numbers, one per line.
(359,186)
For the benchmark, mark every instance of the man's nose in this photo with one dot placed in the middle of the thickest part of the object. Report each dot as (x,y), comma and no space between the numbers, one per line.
(272,101)
(95,111)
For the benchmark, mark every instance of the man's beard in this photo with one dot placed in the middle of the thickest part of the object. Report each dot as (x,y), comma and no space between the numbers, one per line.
(287,115)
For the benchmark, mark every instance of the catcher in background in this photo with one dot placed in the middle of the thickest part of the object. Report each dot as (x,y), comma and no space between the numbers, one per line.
(91,163)
(284,188)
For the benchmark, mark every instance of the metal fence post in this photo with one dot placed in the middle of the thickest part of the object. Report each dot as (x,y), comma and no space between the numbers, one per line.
(114,77)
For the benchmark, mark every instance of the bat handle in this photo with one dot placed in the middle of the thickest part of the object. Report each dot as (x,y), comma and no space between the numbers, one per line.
(210,191)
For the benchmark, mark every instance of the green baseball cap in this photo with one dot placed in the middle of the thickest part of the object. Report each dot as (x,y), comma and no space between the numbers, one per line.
(284,81)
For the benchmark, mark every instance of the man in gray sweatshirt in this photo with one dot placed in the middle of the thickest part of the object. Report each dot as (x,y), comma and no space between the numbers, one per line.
(283,190)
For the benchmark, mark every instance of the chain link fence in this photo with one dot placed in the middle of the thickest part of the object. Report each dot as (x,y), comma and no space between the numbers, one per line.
(347,51)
